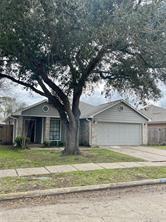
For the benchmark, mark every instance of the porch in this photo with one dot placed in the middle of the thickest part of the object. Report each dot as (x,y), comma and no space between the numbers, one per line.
(39,129)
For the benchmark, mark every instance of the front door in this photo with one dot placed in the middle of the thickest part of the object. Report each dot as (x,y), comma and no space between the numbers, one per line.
(30,129)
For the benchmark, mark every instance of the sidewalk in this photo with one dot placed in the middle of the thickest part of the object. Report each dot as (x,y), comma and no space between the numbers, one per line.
(75,167)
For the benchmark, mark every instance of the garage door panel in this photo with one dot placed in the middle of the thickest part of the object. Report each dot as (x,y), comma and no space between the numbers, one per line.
(118,134)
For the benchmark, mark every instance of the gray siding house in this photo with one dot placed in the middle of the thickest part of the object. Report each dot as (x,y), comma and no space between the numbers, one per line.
(114,123)
(156,125)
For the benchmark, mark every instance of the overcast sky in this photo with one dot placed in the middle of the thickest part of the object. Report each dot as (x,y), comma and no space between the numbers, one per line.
(95,99)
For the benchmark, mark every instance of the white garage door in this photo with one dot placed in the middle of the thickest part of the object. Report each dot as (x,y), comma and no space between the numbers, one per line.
(119,134)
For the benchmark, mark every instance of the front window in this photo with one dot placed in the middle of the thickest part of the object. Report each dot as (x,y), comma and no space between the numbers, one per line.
(54,129)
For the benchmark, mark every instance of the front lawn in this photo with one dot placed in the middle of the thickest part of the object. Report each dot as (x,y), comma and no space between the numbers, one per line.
(37,158)
(160,147)
(15,184)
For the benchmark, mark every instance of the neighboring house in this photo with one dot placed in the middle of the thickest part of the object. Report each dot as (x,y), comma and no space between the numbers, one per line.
(6,133)
(114,123)
(156,125)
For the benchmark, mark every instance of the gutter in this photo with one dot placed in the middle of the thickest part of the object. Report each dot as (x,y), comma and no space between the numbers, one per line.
(81,189)
(156,122)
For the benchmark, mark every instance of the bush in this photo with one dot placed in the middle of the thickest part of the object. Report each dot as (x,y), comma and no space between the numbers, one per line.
(46,144)
(57,144)
(53,144)
(21,142)
(163,143)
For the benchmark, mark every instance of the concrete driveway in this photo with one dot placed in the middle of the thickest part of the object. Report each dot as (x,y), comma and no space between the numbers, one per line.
(143,152)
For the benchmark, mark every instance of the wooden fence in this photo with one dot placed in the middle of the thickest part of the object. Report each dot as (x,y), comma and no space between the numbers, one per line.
(6,134)
(157,136)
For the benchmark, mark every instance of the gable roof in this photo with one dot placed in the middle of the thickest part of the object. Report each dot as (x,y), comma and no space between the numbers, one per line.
(101,108)
(156,114)
(87,110)
(19,112)
(98,109)
(84,107)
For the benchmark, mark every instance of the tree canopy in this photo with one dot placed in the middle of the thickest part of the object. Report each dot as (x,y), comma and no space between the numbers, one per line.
(115,40)
(59,48)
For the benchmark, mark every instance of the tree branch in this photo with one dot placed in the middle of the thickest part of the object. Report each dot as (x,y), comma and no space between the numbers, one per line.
(79,61)
(139,55)
(55,88)
(60,94)
(95,61)
(44,88)
(58,105)
(91,66)
(113,77)
(44,75)
(78,89)
(49,95)
(27,85)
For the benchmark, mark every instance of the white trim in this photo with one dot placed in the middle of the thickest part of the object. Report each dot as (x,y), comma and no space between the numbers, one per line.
(45,106)
(116,121)
(60,134)
(58,117)
(16,127)
(156,122)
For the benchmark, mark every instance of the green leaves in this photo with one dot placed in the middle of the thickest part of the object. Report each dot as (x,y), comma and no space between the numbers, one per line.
(63,39)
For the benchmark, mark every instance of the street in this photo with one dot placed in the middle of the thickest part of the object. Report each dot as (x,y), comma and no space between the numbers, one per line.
(141,204)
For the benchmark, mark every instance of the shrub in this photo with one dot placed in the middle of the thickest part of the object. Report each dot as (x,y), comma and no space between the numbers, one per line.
(46,144)
(21,142)
(163,143)
(53,143)
(57,144)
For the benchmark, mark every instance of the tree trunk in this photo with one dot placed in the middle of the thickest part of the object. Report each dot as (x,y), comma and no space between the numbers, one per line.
(72,138)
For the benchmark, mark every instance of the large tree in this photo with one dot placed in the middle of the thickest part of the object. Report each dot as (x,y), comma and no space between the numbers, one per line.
(59,48)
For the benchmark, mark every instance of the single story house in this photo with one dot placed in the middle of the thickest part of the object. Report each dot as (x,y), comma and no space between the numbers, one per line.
(114,123)
(156,125)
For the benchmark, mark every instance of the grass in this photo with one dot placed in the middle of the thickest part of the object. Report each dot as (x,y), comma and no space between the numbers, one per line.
(160,147)
(15,184)
(36,158)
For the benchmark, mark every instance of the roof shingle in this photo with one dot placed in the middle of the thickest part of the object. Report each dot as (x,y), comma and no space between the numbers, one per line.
(155,113)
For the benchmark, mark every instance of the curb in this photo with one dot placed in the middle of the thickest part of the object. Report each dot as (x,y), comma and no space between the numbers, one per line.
(68,190)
